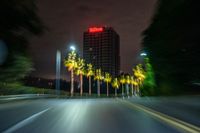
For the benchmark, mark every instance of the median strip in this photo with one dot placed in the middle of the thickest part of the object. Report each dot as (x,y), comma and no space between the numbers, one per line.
(178,124)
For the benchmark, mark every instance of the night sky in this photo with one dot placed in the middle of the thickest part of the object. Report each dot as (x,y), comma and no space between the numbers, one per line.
(68,19)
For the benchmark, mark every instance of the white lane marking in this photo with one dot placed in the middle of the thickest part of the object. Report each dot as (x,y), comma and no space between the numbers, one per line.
(25,122)
(178,124)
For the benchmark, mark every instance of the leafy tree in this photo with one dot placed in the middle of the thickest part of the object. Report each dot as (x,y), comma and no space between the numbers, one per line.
(21,66)
(172,42)
(149,85)
(19,21)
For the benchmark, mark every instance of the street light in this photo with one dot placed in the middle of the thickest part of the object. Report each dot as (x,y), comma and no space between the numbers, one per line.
(73,48)
(143,54)
(58,67)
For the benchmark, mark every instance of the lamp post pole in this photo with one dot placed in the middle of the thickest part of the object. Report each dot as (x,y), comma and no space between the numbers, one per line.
(58,66)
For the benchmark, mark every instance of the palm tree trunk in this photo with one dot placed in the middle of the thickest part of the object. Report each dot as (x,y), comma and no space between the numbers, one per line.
(89,85)
(81,87)
(72,82)
(122,90)
(107,89)
(132,89)
(98,87)
(138,90)
(135,88)
(116,92)
(127,89)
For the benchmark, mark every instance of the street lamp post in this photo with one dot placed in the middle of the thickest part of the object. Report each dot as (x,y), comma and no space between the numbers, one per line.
(58,65)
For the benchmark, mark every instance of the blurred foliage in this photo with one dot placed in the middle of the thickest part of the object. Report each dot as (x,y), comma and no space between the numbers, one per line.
(18,88)
(19,21)
(17,69)
(149,85)
(115,83)
(70,62)
(172,42)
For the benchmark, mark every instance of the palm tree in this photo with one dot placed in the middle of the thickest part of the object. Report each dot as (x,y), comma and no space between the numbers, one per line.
(107,79)
(133,85)
(128,81)
(115,85)
(71,64)
(122,82)
(80,72)
(139,74)
(98,77)
(90,72)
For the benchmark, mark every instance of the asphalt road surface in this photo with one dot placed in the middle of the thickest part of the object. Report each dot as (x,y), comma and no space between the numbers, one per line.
(85,116)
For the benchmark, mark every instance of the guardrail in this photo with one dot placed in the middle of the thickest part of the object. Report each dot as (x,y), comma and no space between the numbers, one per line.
(8,98)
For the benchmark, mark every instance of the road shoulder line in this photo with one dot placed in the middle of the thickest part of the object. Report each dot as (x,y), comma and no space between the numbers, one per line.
(176,123)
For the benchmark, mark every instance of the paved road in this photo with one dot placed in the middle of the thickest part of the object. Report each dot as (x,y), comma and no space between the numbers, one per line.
(186,108)
(78,116)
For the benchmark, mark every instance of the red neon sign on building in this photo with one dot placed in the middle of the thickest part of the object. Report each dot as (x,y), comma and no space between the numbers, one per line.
(95,29)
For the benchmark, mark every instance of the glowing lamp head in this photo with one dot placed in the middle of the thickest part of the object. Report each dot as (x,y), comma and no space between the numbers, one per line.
(72,48)
(95,29)
(143,54)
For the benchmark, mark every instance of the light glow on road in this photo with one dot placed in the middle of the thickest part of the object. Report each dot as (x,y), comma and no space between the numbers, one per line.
(73,115)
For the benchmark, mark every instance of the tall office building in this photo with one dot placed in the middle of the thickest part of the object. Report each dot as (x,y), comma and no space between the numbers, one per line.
(101,47)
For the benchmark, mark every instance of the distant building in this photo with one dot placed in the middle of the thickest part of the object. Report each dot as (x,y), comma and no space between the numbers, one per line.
(101,47)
